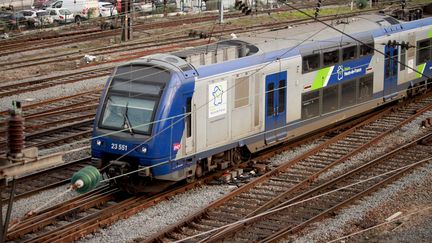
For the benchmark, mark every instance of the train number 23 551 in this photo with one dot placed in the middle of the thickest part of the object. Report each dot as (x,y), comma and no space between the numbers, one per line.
(121,147)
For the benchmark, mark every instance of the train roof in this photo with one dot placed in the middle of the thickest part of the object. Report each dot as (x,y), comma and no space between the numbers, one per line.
(318,34)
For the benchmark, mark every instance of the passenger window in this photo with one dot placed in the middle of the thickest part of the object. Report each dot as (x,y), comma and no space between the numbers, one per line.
(241,96)
(402,59)
(387,67)
(270,99)
(348,96)
(330,99)
(365,88)
(349,53)
(367,49)
(188,117)
(423,51)
(330,58)
(282,88)
(311,62)
(310,104)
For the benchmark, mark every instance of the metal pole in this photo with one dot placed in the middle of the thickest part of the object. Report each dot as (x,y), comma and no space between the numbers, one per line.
(1,212)
(9,210)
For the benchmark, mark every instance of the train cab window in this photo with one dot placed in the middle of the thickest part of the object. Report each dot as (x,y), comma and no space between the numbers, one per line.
(365,88)
(423,51)
(188,117)
(310,104)
(349,53)
(331,57)
(241,95)
(311,62)
(330,99)
(348,93)
(367,49)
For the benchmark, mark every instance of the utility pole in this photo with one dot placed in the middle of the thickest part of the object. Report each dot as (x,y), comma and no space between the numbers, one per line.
(221,9)
(126,20)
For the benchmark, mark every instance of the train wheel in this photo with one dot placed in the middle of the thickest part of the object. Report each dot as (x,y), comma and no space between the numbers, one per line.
(236,156)
(198,170)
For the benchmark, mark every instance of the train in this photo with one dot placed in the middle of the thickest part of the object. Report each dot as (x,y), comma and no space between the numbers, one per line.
(177,116)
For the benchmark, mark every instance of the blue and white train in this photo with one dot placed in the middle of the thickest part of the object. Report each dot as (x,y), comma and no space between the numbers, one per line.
(178,116)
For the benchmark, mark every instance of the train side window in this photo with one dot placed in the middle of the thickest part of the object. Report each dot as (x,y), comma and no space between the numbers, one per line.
(348,93)
(281,92)
(367,49)
(330,99)
(331,57)
(241,95)
(270,99)
(349,53)
(402,59)
(365,88)
(387,67)
(188,117)
(423,51)
(310,104)
(311,62)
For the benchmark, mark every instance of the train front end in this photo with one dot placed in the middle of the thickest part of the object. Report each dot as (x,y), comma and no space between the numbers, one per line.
(139,124)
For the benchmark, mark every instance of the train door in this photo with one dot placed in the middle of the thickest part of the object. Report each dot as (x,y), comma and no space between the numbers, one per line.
(189,126)
(275,110)
(390,71)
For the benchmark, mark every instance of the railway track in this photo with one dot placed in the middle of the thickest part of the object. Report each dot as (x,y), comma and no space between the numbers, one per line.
(164,46)
(44,180)
(296,211)
(22,87)
(74,219)
(57,121)
(290,178)
(53,39)
(51,106)
(154,41)
(84,214)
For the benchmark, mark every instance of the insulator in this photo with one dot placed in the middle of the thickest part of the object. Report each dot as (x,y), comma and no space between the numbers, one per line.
(86,179)
(16,135)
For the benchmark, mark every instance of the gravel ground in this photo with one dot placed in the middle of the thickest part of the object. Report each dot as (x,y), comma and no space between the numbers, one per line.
(410,193)
(159,216)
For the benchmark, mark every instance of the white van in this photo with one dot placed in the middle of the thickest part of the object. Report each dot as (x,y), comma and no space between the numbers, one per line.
(82,9)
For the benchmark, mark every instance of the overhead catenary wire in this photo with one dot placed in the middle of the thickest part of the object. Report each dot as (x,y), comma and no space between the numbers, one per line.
(186,114)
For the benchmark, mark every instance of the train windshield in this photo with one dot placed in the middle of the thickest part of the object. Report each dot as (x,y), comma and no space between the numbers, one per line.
(132,98)
(130,114)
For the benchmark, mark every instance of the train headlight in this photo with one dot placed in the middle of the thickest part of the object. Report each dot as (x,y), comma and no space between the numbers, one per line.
(143,149)
(99,142)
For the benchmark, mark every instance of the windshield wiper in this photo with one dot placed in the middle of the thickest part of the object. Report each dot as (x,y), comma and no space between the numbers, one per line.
(126,122)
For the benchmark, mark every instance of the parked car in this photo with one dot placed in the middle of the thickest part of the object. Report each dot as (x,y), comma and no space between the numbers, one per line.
(61,15)
(142,6)
(42,4)
(107,9)
(36,18)
(10,20)
(81,9)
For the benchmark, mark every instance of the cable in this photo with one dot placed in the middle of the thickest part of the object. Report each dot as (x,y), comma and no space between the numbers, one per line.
(181,116)
(302,201)
(379,225)
(205,104)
